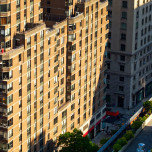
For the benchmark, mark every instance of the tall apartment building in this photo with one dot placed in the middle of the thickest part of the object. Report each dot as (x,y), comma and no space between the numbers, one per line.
(52,74)
(129,63)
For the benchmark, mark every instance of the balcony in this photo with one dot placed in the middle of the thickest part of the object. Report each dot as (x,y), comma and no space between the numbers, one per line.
(72,27)
(3,137)
(5,76)
(3,147)
(3,123)
(5,14)
(3,114)
(4,91)
(3,101)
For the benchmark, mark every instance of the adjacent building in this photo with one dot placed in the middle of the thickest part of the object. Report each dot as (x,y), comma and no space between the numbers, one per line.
(52,71)
(129,63)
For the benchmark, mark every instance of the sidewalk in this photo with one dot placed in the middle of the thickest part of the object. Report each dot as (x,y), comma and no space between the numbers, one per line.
(100,136)
(132,110)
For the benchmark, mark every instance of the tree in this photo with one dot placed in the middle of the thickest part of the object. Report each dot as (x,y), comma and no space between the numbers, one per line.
(75,142)
(128,135)
(116,147)
(122,141)
(148,105)
(136,124)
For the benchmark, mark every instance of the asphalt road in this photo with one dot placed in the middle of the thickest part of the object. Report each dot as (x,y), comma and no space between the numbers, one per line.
(144,137)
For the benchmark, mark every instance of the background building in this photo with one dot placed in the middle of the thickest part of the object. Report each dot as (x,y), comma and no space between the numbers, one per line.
(52,74)
(129,55)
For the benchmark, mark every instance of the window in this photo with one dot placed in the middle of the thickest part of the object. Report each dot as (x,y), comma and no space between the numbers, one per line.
(122,68)
(122,57)
(62,81)
(55,79)
(55,120)
(121,79)
(55,110)
(62,40)
(110,2)
(72,106)
(124,15)
(55,130)
(49,63)
(110,13)
(18,27)
(62,70)
(18,16)
(10,133)
(72,125)
(28,53)
(62,30)
(101,11)
(72,116)
(78,120)
(8,44)
(124,4)
(62,61)
(61,91)
(10,145)
(123,26)
(10,122)
(48,95)
(19,57)
(48,10)
(20,80)
(4,7)
(41,34)
(123,36)
(20,92)
(61,101)
(62,50)
(108,65)
(84,116)
(123,47)
(121,88)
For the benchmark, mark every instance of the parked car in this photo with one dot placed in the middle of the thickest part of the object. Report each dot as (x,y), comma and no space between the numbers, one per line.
(141,147)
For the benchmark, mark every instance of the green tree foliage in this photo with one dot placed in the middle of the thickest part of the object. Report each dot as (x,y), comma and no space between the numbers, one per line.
(128,135)
(136,124)
(148,106)
(75,142)
(122,141)
(116,147)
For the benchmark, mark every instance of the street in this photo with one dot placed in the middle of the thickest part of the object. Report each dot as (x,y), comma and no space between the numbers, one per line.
(144,137)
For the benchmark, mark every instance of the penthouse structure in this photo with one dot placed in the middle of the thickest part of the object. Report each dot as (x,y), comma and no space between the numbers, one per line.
(52,71)
(129,76)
